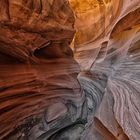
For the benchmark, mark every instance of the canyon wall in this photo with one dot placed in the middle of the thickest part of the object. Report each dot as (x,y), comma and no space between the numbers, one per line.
(69,70)
(107,48)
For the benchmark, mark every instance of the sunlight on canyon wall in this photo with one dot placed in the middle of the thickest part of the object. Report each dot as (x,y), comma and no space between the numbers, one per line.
(107,47)
(69,70)
(93,18)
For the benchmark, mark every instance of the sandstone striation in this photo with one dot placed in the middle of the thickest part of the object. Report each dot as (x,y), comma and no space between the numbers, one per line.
(110,70)
(69,70)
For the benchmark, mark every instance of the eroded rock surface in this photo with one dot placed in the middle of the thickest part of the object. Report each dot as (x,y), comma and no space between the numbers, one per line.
(40,95)
(48,92)
(110,73)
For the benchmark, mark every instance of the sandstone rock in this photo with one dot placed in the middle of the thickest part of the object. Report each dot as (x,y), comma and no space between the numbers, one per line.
(113,56)
(45,94)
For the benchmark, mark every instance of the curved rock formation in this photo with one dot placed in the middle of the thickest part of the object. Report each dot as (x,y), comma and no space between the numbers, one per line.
(48,92)
(38,76)
(111,68)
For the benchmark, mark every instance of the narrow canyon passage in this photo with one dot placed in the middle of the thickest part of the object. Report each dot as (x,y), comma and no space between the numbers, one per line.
(69,70)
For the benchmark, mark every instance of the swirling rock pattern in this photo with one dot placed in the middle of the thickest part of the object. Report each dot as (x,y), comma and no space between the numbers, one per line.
(40,96)
(113,59)
(45,94)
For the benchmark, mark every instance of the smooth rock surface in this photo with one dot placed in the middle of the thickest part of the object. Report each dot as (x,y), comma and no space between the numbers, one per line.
(48,91)
(114,59)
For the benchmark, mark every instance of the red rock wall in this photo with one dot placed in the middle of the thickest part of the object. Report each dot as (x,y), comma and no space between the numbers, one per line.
(48,92)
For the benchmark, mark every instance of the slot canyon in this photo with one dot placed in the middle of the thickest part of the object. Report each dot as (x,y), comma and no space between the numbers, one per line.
(69,69)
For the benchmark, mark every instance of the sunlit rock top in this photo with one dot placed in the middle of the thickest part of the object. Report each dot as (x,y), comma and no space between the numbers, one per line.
(93,17)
